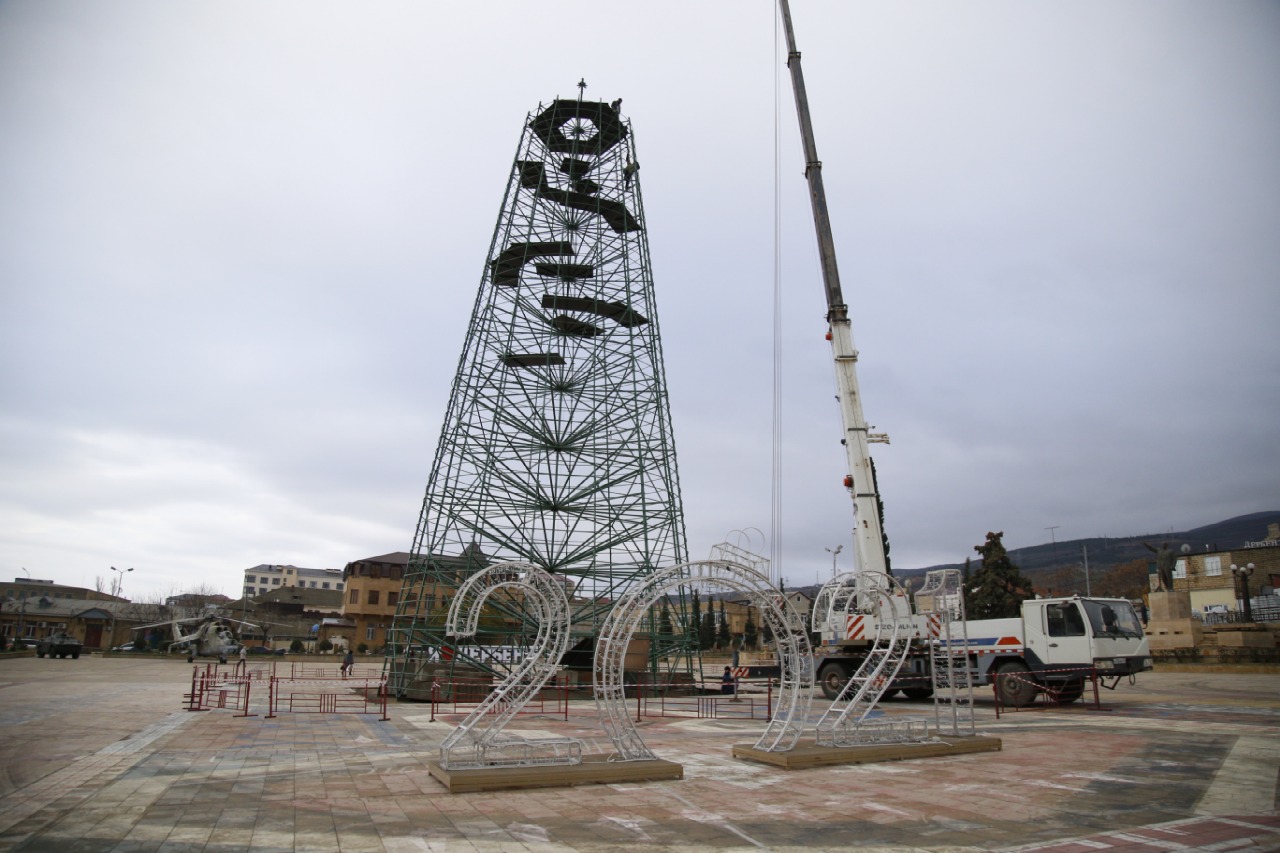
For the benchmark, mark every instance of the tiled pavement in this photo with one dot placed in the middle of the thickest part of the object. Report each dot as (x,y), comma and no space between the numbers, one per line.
(97,755)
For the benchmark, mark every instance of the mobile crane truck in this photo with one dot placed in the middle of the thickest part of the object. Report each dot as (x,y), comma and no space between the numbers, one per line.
(1055,644)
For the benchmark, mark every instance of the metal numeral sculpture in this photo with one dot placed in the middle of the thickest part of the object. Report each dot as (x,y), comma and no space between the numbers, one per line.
(949,651)
(881,602)
(557,446)
(475,745)
(794,653)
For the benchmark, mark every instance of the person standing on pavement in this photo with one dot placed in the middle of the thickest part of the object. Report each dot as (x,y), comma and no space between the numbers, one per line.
(348,661)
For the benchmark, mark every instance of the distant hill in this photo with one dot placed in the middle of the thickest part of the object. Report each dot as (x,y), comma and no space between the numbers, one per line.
(1105,553)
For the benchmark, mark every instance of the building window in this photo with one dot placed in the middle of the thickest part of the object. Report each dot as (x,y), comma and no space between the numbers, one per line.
(373,596)
(325,585)
(1180,569)
(354,598)
(250,579)
(1213,567)
(262,590)
(275,581)
(368,632)
(339,586)
(393,598)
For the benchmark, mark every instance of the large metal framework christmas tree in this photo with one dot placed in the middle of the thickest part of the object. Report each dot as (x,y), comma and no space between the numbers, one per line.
(557,444)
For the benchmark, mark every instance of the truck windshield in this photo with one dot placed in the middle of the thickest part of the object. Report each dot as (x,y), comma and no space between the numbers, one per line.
(1112,619)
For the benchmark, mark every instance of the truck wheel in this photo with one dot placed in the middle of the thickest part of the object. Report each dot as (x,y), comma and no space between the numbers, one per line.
(1014,683)
(833,677)
(917,693)
(1071,691)
(39,653)
(75,656)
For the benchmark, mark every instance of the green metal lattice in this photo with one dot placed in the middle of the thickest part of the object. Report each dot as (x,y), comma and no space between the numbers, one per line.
(557,445)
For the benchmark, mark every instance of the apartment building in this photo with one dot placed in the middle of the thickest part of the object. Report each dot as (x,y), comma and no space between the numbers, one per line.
(262,579)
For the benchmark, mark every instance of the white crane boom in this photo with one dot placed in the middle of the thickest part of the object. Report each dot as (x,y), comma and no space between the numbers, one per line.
(867,535)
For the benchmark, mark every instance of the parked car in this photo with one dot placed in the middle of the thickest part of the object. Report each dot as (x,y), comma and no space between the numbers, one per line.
(59,645)
(127,647)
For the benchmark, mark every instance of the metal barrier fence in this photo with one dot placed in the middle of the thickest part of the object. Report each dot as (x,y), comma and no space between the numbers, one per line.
(311,669)
(1269,612)
(751,699)
(464,695)
(334,695)
(1068,686)
(213,690)
(233,687)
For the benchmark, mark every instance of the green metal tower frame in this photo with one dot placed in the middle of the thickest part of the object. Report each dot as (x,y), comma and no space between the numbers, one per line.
(557,445)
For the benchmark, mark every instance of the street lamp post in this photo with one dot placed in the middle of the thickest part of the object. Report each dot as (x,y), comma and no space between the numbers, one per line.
(22,614)
(833,554)
(116,589)
(1241,574)
(118,586)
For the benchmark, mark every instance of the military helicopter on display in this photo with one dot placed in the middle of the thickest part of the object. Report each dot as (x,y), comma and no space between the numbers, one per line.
(209,635)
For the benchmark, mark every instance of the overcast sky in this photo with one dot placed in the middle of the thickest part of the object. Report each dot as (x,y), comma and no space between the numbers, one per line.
(240,242)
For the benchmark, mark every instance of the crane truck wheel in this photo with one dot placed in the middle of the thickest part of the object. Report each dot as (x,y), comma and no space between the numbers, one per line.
(1071,691)
(833,677)
(1014,682)
(917,693)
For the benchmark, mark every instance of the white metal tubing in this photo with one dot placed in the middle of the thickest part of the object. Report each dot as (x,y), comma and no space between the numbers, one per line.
(881,597)
(469,744)
(794,653)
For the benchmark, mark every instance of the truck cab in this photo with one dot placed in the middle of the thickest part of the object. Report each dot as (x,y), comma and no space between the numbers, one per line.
(1079,633)
(1063,642)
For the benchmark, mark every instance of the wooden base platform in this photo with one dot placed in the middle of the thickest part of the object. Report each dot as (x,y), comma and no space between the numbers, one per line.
(594,770)
(808,754)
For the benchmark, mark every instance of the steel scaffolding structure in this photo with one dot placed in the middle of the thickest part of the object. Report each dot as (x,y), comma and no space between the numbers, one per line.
(557,445)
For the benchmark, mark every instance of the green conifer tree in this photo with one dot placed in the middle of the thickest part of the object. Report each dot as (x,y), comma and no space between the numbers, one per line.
(884,537)
(665,627)
(723,639)
(695,623)
(998,588)
(707,630)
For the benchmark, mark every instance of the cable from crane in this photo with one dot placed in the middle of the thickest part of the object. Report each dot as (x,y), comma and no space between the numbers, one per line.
(775,531)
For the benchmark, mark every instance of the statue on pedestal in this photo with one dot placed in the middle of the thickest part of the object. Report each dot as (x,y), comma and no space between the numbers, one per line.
(1164,565)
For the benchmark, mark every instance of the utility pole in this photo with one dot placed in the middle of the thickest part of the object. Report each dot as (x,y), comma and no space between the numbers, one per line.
(1085,549)
(1054,540)
(22,613)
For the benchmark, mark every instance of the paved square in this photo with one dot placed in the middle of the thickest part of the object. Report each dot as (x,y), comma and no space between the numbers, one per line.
(97,754)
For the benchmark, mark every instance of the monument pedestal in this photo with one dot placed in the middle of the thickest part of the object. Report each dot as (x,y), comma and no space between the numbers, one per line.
(1171,625)
(1166,605)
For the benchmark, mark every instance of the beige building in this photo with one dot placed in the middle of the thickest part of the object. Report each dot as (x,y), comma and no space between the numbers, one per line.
(34,609)
(1212,584)
(373,589)
(265,578)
